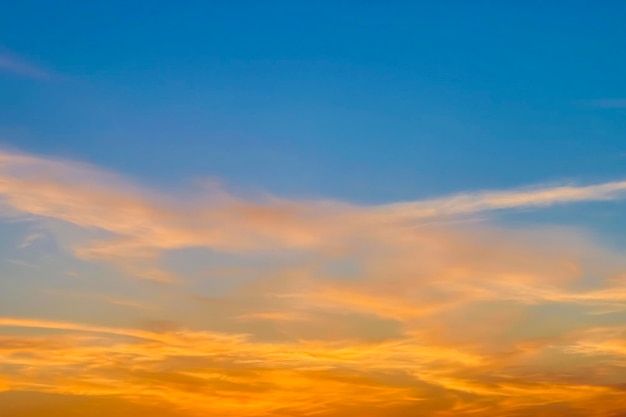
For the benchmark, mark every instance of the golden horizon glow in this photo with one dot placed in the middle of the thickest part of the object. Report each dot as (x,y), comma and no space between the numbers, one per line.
(119,300)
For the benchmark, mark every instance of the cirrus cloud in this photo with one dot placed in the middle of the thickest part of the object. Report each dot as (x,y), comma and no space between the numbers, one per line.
(281,307)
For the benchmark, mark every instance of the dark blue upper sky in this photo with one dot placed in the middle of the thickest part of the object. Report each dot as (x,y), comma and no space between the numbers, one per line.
(363,100)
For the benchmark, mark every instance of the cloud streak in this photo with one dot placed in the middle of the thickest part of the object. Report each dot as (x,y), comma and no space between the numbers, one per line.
(142,224)
(499,200)
(196,375)
(277,307)
(12,64)
(609,103)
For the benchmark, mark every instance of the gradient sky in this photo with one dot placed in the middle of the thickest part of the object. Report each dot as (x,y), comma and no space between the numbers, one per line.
(298,208)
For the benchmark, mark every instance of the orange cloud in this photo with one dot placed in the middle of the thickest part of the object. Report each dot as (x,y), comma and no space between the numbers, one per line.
(330,309)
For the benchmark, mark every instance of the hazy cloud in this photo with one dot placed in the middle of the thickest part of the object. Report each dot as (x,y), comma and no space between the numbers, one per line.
(497,200)
(12,64)
(280,307)
(609,103)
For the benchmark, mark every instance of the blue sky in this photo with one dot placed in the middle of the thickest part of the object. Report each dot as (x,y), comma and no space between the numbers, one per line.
(355,100)
(296,208)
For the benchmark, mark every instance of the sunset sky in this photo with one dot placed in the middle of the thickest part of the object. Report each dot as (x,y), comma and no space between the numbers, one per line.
(312,208)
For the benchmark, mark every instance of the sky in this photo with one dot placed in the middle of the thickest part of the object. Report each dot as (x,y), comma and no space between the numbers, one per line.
(312,208)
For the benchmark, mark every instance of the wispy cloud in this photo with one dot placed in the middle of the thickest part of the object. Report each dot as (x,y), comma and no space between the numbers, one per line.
(332,309)
(12,64)
(609,103)
(202,373)
(498,200)
(141,224)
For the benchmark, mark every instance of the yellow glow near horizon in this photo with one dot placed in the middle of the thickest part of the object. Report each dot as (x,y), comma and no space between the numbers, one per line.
(116,300)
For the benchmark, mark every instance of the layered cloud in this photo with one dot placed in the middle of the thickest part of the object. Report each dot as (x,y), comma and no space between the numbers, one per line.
(281,307)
